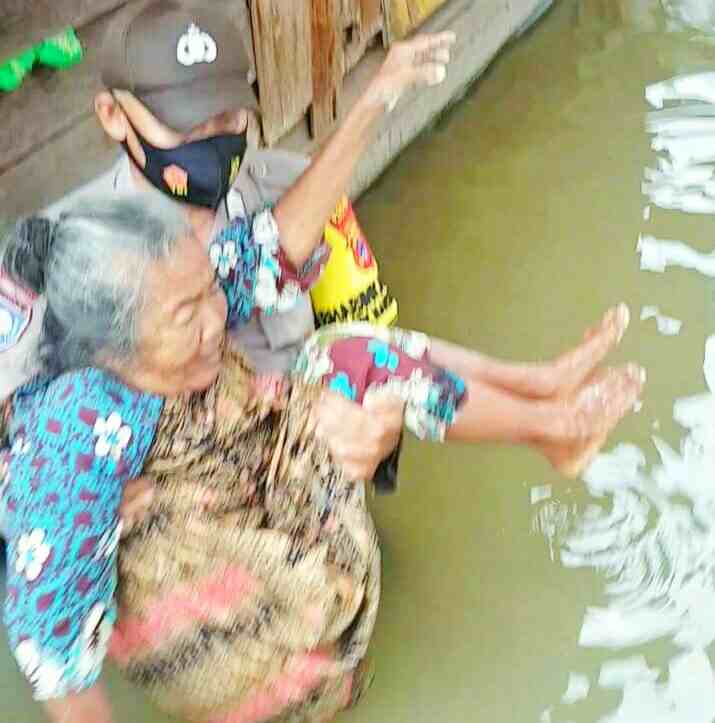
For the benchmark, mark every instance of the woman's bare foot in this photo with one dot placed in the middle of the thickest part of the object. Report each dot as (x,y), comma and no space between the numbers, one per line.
(598,405)
(569,371)
(556,378)
(571,460)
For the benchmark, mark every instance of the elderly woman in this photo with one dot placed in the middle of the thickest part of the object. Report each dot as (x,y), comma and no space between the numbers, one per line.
(248,591)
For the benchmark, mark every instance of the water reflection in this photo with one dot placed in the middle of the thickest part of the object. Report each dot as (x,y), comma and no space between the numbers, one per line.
(697,14)
(653,538)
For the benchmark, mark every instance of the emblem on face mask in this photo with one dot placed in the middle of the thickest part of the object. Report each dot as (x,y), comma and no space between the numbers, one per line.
(196,46)
(235,168)
(177,179)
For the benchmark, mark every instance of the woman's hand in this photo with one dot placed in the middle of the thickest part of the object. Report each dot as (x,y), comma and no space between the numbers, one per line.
(301,211)
(358,437)
(419,61)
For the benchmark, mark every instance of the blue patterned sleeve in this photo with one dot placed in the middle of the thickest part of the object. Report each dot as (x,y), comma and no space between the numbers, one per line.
(254,271)
(75,442)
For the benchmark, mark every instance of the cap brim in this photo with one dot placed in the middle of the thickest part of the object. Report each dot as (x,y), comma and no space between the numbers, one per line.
(185,107)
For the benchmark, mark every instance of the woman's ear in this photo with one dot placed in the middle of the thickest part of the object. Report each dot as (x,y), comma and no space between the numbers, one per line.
(111,116)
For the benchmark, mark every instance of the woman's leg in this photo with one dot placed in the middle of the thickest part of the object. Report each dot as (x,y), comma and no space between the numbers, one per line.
(566,430)
(539,380)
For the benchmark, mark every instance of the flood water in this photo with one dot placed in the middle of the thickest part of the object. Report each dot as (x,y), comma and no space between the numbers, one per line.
(510,227)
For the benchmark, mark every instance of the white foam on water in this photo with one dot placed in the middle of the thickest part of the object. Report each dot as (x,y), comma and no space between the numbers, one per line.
(696,86)
(540,493)
(709,363)
(618,673)
(552,520)
(697,14)
(688,696)
(652,538)
(666,325)
(577,689)
(658,254)
(676,127)
(686,177)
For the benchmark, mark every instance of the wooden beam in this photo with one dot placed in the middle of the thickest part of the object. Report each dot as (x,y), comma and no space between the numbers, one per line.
(283,54)
(328,65)
(407,15)
(364,19)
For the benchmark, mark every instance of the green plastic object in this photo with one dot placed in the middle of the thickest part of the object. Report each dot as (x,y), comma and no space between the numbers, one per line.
(13,71)
(60,52)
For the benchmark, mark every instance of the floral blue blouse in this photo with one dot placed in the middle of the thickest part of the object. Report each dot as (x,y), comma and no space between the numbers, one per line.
(74,443)
(77,439)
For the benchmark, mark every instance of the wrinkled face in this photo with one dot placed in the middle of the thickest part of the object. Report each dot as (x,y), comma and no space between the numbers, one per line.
(181,330)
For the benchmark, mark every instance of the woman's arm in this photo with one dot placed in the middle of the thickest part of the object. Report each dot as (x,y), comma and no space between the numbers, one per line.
(302,212)
(78,441)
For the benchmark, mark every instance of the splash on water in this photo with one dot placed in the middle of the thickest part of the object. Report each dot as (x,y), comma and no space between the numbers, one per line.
(653,539)
(695,14)
(666,325)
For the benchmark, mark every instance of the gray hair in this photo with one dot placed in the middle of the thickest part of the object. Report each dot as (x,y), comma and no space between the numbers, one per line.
(91,265)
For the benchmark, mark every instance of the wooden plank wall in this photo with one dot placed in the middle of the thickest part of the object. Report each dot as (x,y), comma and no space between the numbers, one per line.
(303,51)
(51,141)
(328,64)
(281,42)
(342,32)
(406,15)
(302,55)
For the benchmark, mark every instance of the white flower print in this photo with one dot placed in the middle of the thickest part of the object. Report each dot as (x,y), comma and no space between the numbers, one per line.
(265,230)
(314,362)
(94,641)
(113,436)
(44,674)
(419,387)
(224,257)
(32,554)
(417,421)
(413,343)
(266,292)
(319,363)
(108,542)
(20,447)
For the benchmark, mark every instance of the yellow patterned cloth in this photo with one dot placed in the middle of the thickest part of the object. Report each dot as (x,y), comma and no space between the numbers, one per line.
(349,288)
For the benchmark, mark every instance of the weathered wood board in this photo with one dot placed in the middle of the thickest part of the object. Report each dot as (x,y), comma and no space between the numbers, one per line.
(404,16)
(283,53)
(328,64)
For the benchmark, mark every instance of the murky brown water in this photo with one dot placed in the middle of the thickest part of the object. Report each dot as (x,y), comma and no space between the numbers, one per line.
(510,227)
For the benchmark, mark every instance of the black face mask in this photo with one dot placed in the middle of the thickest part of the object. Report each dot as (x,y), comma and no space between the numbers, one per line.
(200,172)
